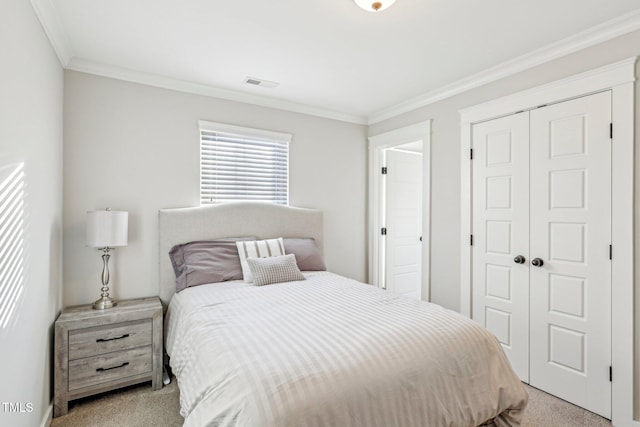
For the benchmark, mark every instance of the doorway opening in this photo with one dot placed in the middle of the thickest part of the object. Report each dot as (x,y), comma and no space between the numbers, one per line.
(399,164)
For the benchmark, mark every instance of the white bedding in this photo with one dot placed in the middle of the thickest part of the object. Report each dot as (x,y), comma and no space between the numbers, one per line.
(330,351)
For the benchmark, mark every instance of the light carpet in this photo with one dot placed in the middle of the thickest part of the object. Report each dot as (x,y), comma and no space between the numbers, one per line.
(140,406)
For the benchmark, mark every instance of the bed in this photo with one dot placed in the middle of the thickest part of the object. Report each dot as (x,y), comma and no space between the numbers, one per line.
(323,351)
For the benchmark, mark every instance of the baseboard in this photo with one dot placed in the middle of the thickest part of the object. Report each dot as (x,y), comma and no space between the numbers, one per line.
(48,416)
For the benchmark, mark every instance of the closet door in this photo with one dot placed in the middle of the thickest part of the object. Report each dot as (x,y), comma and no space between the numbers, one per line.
(570,234)
(501,233)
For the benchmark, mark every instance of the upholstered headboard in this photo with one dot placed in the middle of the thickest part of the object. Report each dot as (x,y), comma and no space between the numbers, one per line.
(262,220)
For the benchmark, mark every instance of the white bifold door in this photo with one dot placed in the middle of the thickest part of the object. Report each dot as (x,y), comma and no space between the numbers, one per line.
(541,245)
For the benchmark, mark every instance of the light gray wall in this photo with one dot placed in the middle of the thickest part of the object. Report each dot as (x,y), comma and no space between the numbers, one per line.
(31,91)
(136,148)
(445,151)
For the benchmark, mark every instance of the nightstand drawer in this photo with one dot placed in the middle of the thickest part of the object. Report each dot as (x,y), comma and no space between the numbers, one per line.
(105,339)
(109,367)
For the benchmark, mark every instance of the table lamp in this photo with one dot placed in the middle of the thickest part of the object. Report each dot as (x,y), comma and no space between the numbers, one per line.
(106,230)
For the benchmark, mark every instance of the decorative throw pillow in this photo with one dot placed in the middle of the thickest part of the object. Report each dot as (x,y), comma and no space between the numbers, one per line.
(258,249)
(308,255)
(275,269)
(211,261)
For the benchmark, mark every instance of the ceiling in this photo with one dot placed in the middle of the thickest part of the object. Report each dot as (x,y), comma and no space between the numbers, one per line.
(329,57)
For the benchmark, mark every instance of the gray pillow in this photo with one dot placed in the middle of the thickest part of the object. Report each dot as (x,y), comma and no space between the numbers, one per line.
(211,261)
(308,256)
(275,269)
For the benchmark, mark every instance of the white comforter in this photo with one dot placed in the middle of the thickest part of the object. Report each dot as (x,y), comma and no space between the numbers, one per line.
(330,351)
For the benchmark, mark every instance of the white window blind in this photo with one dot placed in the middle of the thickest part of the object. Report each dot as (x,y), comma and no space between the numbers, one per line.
(239,163)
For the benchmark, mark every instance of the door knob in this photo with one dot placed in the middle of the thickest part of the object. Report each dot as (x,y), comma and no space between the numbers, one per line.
(537,262)
(519,259)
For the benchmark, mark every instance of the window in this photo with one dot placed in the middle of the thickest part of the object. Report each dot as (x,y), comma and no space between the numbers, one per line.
(239,163)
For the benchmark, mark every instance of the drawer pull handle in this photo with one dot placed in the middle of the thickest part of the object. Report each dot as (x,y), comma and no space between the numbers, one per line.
(113,367)
(112,339)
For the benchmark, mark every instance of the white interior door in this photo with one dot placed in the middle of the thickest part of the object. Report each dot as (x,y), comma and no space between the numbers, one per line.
(571,234)
(501,233)
(403,218)
(542,190)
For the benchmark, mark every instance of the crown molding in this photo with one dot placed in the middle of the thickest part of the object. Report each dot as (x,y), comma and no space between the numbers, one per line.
(592,81)
(149,79)
(593,36)
(52,25)
(53,28)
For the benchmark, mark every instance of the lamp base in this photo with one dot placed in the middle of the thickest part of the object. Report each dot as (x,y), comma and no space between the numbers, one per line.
(103,303)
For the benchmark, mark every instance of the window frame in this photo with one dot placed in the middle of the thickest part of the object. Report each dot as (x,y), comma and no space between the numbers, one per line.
(244,133)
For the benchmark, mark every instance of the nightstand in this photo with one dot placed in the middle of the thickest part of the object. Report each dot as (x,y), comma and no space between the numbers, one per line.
(101,350)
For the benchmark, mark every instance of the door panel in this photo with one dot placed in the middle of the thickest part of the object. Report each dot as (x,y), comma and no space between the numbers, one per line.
(571,232)
(403,191)
(501,232)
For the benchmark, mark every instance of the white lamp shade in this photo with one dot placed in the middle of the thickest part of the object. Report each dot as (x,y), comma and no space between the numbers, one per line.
(374,5)
(107,228)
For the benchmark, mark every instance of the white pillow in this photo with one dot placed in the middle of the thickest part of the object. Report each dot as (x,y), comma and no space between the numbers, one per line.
(257,249)
(275,269)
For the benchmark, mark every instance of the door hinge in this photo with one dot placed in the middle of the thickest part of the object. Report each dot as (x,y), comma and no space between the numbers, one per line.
(471,154)
(383,231)
(610,251)
(471,239)
(610,373)
(610,130)
(384,170)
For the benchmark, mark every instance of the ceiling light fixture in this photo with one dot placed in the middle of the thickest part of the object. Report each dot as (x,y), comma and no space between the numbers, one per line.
(374,5)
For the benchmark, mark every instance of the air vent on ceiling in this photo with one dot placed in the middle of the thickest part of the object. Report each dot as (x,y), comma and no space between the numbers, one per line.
(259,82)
